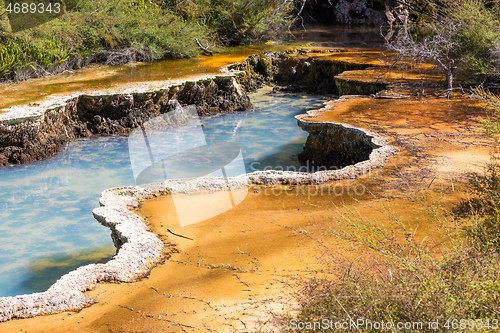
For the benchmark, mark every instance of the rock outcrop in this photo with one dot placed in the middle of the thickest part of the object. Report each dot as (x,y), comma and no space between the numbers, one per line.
(312,74)
(313,71)
(347,12)
(334,146)
(36,137)
(339,150)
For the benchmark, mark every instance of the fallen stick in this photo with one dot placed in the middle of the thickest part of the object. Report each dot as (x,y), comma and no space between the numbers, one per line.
(173,233)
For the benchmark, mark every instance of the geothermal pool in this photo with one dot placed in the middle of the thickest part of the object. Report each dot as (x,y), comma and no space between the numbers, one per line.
(47,228)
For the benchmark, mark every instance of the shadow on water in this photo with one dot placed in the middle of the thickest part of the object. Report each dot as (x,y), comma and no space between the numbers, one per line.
(46,270)
(286,158)
(331,36)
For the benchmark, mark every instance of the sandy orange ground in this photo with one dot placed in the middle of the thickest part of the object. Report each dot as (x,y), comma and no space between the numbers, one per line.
(238,263)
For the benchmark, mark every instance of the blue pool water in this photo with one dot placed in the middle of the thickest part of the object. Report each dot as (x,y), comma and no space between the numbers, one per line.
(46,223)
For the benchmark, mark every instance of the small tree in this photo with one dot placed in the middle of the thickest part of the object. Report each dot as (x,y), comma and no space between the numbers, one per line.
(439,49)
(462,34)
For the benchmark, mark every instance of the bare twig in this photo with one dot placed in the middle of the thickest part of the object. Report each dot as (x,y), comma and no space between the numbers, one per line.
(448,91)
(178,235)
(416,7)
(297,17)
(347,313)
(239,279)
(206,50)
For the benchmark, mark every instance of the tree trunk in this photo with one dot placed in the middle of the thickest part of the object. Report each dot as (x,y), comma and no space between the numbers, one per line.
(449,80)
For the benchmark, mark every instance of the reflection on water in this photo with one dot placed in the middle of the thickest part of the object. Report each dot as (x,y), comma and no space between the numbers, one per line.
(269,137)
(340,34)
(46,207)
(44,269)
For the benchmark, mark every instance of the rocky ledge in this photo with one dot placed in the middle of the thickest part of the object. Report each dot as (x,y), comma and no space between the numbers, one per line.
(31,136)
(312,70)
(35,136)
(139,250)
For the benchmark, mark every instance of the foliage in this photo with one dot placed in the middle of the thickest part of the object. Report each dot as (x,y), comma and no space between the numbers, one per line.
(491,124)
(484,205)
(388,274)
(462,285)
(9,58)
(120,31)
(485,187)
(463,35)
(438,48)
(478,32)
(236,21)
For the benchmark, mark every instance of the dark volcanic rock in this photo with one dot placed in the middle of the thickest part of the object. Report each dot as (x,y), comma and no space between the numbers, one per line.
(313,75)
(334,146)
(347,12)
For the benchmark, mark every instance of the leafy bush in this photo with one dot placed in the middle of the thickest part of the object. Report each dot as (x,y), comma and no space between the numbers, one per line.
(478,32)
(491,124)
(458,35)
(387,274)
(236,21)
(119,31)
(484,206)
(460,286)
(10,58)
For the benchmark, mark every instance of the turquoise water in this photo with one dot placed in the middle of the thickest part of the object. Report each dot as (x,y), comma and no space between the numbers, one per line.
(46,211)
(46,223)
(269,137)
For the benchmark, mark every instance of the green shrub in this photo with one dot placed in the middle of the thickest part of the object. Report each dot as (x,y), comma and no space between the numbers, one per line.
(132,30)
(236,21)
(380,271)
(461,35)
(460,286)
(484,206)
(479,32)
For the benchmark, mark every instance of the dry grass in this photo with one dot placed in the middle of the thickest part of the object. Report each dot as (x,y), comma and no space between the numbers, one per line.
(382,271)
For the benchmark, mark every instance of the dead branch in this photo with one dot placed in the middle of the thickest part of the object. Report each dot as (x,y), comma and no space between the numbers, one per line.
(413,5)
(448,91)
(298,16)
(205,49)
(178,235)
